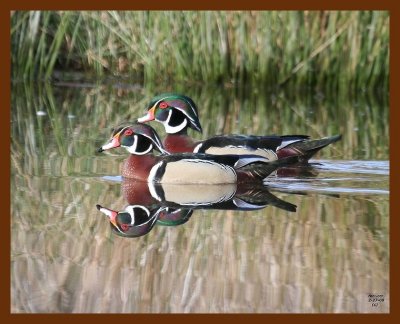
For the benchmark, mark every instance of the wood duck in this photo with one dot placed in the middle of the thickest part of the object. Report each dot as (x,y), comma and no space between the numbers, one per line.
(140,193)
(140,140)
(192,196)
(178,113)
(134,221)
(174,204)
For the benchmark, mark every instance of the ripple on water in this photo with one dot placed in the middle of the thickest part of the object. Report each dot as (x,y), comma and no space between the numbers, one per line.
(336,176)
(369,167)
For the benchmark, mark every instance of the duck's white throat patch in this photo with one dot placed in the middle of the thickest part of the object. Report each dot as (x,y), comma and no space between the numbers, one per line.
(133,148)
(174,129)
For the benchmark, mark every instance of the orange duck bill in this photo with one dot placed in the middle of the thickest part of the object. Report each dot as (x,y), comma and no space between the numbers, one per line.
(114,142)
(111,214)
(148,117)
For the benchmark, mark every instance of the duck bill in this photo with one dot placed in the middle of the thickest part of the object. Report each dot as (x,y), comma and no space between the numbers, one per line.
(111,214)
(114,142)
(148,117)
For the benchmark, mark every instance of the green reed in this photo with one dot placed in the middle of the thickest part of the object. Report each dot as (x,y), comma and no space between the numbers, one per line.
(308,48)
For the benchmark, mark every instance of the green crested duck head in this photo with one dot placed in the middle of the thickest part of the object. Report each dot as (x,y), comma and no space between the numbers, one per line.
(175,111)
(136,138)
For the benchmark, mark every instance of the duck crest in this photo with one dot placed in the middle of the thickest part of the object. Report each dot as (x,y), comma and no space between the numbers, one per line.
(175,111)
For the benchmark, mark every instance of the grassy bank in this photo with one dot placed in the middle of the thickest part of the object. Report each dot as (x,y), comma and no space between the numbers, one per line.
(336,49)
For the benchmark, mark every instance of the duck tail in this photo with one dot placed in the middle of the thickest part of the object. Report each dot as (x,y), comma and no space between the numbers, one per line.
(260,196)
(307,149)
(260,170)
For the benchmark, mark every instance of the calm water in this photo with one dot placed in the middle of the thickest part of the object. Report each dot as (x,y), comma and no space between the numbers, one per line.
(327,256)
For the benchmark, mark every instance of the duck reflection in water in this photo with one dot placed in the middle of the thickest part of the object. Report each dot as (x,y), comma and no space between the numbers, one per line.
(173,205)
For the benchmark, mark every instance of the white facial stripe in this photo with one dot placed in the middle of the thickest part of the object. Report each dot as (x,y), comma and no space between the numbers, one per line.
(169,116)
(174,129)
(155,139)
(156,104)
(131,210)
(142,153)
(193,110)
(184,112)
(123,130)
(132,149)
(147,151)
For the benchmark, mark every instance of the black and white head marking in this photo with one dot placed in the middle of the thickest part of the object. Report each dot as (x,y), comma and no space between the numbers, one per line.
(174,129)
(134,148)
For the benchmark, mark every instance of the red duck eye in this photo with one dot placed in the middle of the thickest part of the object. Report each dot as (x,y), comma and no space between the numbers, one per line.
(163,105)
(128,132)
(124,227)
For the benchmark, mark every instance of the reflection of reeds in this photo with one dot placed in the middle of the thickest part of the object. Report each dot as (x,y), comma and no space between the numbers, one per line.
(266,261)
(325,258)
(82,121)
(336,48)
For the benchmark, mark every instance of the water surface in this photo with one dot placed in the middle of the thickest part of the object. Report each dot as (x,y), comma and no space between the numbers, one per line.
(325,257)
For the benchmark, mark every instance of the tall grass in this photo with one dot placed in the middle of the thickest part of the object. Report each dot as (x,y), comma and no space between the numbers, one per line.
(332,48)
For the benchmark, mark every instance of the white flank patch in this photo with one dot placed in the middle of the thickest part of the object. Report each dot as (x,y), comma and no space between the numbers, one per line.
(198,195)
(132,149)
(241,150)
(198,171)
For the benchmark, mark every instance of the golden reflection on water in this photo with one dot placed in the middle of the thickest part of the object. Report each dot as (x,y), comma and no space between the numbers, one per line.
(326,257)
(219,261)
